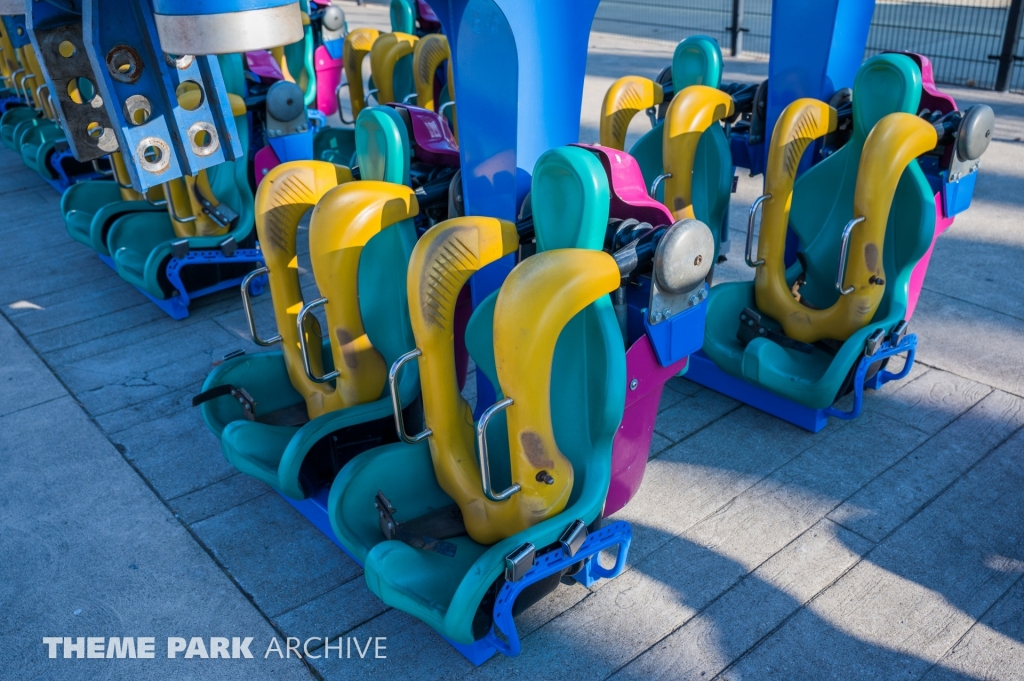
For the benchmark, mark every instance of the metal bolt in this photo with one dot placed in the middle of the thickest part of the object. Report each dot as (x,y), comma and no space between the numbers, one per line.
(633,384)
(703,292)
(694,299)
(657,317)
(545,477)
(666,313)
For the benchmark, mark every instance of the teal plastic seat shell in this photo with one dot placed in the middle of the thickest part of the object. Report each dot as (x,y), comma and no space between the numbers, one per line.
(696,61)
(570,208)
(274,453)
(822,205)
(91,207)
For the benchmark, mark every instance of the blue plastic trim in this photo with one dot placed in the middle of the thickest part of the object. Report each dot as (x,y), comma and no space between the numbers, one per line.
(678,336)
(956,196)
(703,371)
(314,509)
(196,7)
(12,24)
(617,534)
(295,147)
(63,180)
(177,306)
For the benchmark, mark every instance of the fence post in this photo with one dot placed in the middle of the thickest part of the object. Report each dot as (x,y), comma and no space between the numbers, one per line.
(1010,39)
(736,30)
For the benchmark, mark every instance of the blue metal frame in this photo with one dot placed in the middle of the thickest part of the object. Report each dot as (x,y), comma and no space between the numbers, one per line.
(56,164)
(177,305)
(110,24)
(705,372)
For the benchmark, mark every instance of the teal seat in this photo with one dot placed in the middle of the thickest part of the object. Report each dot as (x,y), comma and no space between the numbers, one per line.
(277,453)
(140,243)
(696,61)
(10,121)
(570,207)
(822,204)
(91,207)
(403,16)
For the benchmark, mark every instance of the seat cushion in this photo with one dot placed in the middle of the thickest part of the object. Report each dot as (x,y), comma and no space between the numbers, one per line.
(256,448)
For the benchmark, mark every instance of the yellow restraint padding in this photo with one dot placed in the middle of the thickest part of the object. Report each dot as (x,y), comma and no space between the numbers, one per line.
(627,97)
(442,261)
(7,56)
(183,201)
(691,112)
(537,300)
(386,52)
(427,56)
(357,45)
(342,222)
(124,180)
(893,143)
(286,193)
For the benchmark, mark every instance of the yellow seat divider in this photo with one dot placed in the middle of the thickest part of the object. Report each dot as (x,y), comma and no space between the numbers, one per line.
(537,300)
(387,50)
(690,113)
(895,141)
(442,262)
(357,45)
(627,97)
(430,52)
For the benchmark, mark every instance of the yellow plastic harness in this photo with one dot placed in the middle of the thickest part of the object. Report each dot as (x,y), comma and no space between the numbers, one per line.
(895,141)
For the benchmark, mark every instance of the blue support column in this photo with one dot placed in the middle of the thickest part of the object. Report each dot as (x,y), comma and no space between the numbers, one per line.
(816,48)
(518,68)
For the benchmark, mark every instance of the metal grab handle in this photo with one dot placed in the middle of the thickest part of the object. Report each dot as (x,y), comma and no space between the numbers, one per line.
(101,171)
(305,349)
(396,399)
(440,112)
(750,231)
(22,90)
(843,247)
(248,310)
(159,204)
(341,109)
(658,180)
(481,449)
(39,95)
(372,93)
(411,95)
(170,205)
(12,79)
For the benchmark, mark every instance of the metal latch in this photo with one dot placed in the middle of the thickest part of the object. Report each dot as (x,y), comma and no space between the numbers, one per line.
(898,332)
(179,248)
(228,246)
(393,530)
(874,342)
(519,562)
(573,537)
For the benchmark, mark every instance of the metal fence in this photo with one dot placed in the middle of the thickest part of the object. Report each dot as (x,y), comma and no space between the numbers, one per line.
(974,43)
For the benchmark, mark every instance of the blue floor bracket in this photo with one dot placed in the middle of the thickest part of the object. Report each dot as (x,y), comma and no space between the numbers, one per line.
(176,306)
(314,509)
(705,372)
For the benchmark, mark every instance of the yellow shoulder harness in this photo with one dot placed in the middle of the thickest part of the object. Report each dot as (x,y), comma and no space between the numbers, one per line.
(627,97)
(691,112)
(357,45)
(537,300)
(893,143)
(429,53)
(283,197)
(387,50)
(443,260)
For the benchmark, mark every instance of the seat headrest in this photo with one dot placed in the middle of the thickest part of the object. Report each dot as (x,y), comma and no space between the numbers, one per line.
(569,198)
(885,84)
(382,145)
(696,61)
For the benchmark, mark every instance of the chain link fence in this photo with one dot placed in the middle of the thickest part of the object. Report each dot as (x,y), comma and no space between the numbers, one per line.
(973,43)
